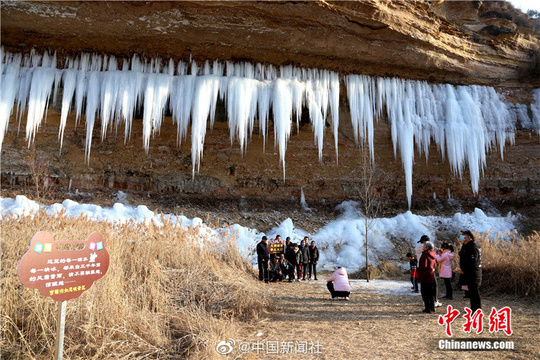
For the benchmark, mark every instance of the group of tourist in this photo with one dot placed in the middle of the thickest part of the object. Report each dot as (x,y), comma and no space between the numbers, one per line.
(424,268)
(295,262)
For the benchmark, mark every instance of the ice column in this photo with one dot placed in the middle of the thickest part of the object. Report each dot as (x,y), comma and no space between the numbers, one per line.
(464,121)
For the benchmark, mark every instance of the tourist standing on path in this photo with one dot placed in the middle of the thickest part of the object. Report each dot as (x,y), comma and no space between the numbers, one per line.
(413,264)
(262,259)
(296,260)
(420,246)
(419,249)
(313,260)
(444,258)
(426,277)
(304,247)
(288,246)
(470,263)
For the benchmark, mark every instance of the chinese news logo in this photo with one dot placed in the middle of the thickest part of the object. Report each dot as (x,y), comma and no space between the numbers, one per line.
(499,320)
(270,347)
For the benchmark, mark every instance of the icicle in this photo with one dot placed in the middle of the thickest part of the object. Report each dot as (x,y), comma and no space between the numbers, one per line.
(535,109)
(474,136)
(316,119)
(361,106)
(282,110)
(40,90)
(264,103)
(109,93)
(158,88)
(298,91)
(9,88)
(334,107)
(92,107)
(204,88)
(241,108)
(81,85)
(69,81)
(182,93)
(130,92)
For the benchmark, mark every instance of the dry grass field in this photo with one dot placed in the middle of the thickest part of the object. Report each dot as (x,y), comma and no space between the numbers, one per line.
(167,294)
(172,294)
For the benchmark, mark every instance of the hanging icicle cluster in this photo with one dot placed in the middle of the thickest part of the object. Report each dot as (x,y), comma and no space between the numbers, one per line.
(464,121)
(191,92)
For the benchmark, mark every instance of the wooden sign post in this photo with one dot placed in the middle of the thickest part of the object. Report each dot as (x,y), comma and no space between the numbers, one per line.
(62,274)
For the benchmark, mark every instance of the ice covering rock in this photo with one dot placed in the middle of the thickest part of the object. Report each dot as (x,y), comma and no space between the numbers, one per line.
(465,122)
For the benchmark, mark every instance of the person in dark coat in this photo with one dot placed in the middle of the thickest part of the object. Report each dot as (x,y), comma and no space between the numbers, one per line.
(288,245)
(287,268)
(313,260)
(275,272)
(289,252)
(262,259)
(470,262)
(295,258)
(426,276)
(305,257)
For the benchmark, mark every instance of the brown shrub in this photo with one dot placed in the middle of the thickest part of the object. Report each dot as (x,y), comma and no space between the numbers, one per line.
(168,293)
(510,266)
(385,270)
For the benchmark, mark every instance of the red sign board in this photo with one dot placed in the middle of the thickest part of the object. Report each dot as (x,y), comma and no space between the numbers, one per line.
(275,246)
(63,274)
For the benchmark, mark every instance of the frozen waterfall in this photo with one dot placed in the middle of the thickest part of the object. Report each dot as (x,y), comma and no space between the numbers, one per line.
(465,122)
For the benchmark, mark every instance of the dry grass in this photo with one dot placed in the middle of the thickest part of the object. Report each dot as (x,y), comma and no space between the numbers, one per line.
(167,294)
(385,270)
(511,266)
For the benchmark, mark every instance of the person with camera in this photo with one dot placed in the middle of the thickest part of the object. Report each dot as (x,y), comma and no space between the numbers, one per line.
(445,255)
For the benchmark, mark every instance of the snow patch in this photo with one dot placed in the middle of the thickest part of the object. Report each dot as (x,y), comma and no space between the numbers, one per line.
(341,242)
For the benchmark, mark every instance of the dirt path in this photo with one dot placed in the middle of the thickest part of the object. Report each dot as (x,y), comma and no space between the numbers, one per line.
(373,325)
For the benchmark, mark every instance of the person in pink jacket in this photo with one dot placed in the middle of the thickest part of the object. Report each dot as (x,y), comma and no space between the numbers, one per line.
(338,284)
(444,258)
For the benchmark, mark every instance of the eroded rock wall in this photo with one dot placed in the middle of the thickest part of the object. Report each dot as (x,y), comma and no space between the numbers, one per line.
(166,170)
(466,42)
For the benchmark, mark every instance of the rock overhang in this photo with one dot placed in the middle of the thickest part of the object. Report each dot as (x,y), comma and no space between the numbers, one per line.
(435,41)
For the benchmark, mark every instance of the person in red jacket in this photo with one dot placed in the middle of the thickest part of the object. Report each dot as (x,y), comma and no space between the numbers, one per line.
(426,277)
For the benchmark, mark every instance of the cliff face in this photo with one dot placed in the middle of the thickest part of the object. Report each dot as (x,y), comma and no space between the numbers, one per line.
(227,176)
(470,42)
